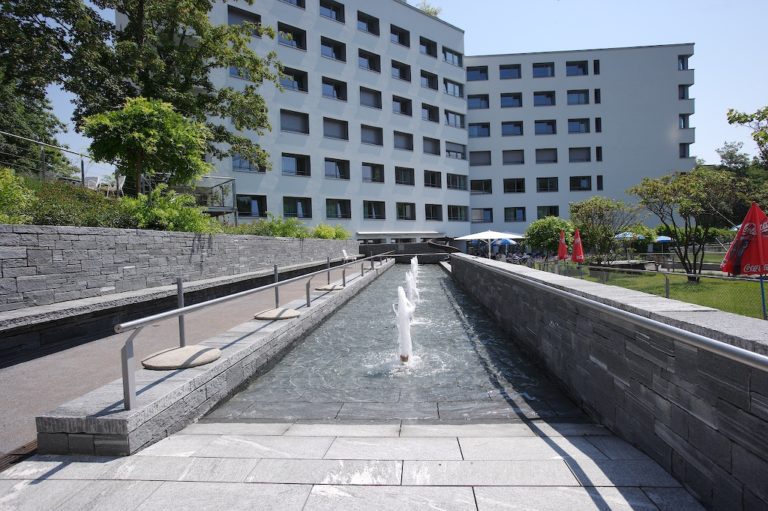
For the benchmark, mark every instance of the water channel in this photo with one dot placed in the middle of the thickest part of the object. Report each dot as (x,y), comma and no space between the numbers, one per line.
(463,367)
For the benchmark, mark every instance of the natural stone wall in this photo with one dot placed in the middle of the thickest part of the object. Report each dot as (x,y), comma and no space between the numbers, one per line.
(703,417)
(41,265)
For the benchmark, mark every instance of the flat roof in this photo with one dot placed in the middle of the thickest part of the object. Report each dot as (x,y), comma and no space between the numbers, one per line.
(582,50)
(403,2)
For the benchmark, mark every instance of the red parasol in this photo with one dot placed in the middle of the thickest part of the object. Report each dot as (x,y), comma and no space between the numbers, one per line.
(748,254)
(578,250)
(562,249)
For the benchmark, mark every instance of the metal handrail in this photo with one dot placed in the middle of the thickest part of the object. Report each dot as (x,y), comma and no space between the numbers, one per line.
(127,351)
(741,355)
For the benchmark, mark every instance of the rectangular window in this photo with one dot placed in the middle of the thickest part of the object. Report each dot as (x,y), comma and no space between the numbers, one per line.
(430,113)
(294,79)
(510,72)
(481,186)
(433,212)
(514,214)
(477,73)
(295,3)
(428,80)
(374,210)
(296,165)
(514,185)
(432,179)
(237,16)
(598,124)
(511,100)
(685,150)
(545,211)
(684,121)
(334,50)
(512,129)
(338,208)
(479,158)
(403,141)
(367,23)
(453,57)
(427,47)
(578,97)
(482,215)
(406,210)
(456,181)
(454,119)
(546,184)
(240,164)
(254,206)
(335,128)
(598,97)
(578,125)
(431,145)
(370,98)
(334,89)
(401,71)
(683,92)
(405,176)
(546,155)
(577,68)
(544,98)
(544,70)
(455,151)
(291,36)
(599,183)
(581,183)
(332,10)
(548,127)
(368,61)
(579,155)
(477,101)
(294,122)
(458,213)
(513,157)
(297,207)
(599,153)
(596,67)
(399,36)
(336,169)
(479,129)
(373,173)
(682,62)
(402,106)
(371,135)
(453,88)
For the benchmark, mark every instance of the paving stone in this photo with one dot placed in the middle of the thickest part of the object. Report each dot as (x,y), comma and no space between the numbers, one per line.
(112,495)
(38,495)
(488,473)
(394,449)
(388,411)
(228,496)
(616,448)
(178,446)
(525,448)
(620,473)
(236,428)
(59,467)
(466,430)
(673,499)
(569,429)
(557,499)
(240,446)
(492,408)
(168,468)
(345,430)
(286,411)
(347,472)
(386,498)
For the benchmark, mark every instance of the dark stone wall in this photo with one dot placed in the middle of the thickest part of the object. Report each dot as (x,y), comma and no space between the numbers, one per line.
(702,417)
(428,254)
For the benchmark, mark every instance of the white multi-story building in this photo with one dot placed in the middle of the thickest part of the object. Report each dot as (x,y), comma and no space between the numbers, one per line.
(372,130)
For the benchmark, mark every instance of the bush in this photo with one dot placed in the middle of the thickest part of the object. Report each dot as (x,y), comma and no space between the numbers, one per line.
(341,233)
(544,233)
(164,210)
(324,231)
(15,199)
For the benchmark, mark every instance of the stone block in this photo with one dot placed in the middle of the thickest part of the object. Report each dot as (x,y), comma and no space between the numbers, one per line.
(80,443)
(39,256)
(23,271)
(708,440)
(111,445)
(52,443)
(13,252)
(751,470)
(32,283)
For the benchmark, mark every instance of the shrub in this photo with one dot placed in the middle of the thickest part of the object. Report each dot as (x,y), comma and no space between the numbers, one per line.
(544,233)
(341,233)
(324,231)
(15,199)
(165,210)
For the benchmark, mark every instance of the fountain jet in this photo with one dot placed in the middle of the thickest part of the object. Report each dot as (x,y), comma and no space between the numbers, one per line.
(403,313)
(415,267)
(411,291)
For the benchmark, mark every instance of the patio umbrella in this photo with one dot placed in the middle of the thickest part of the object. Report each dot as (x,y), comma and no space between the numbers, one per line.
(489,236)
(748,254)
(662,240)
(562,248)
(628,236)
(578,249)
(504,242)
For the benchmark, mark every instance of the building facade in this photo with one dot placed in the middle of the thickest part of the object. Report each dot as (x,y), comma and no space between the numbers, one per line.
(384,127)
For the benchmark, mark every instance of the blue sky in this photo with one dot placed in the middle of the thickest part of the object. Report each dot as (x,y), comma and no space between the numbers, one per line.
(731,67)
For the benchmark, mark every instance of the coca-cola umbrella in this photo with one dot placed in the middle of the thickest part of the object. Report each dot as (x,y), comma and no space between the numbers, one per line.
(562,248)
(748,254)
(578,249)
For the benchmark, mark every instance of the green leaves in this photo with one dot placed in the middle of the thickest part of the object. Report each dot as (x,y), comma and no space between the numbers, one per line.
(599,220)
(544,233)
(758,123)
(15,199)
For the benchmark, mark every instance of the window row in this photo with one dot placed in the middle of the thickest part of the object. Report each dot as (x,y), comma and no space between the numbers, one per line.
(543,184)
(546,155)
(541,127)
(540,98)
(513,214)
(538,70)
(255,206)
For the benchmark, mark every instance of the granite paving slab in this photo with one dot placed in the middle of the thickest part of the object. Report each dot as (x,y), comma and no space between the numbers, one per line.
(466,430)
(178,445)
(236,428)
(345,430)
(620,473)
(387,498)
(616,448)
(529,448)
(488,473)
(168,468)
(40,495)
(296,410)
(52,467)
(394,449)
(347,472)
(226,496)
(558,499)
(673,499)
(241,446)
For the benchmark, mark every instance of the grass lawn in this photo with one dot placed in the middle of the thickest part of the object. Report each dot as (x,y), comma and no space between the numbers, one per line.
(731,296)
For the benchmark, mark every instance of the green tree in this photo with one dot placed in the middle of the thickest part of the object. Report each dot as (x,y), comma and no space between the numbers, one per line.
(544,233)
(733,159)
(758,123)
(430,9)
(599,220)
(689,205)
(147,137)
(15,198)
(165,210)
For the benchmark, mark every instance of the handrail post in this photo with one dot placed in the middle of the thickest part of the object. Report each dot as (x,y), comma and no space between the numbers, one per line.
(328,267)
(371,264)
(309,302)
(277,288)
(344,277)
(362,269)
(666,285)
(129,376)
(180,299)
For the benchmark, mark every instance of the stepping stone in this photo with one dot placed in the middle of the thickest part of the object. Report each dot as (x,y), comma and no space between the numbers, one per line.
(181,358)
(330,287)
(278,313)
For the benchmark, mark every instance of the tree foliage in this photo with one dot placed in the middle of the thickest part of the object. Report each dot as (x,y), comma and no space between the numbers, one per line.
(544,233)
(599,220)
(758,123)
(165,210)
(15,198)
(689,205)
(430,9)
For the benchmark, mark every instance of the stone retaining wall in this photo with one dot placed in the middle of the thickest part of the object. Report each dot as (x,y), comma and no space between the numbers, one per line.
(702,417)
(41,265)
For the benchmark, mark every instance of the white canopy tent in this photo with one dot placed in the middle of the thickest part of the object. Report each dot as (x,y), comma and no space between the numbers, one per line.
(489,236)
